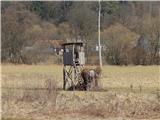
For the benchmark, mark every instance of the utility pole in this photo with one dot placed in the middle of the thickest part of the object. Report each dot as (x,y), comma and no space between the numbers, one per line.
(99,37)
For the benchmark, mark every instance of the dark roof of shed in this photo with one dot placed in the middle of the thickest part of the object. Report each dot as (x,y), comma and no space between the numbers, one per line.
(73,43)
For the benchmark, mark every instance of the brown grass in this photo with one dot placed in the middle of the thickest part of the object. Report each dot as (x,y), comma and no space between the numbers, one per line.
(35,91)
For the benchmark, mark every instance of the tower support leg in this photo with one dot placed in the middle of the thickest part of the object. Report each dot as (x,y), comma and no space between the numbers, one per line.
(64,78)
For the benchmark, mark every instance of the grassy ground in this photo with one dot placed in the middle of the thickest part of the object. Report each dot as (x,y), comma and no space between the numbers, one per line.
(146,78)
(128,92)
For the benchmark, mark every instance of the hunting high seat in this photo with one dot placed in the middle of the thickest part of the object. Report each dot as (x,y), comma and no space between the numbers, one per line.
(74,60)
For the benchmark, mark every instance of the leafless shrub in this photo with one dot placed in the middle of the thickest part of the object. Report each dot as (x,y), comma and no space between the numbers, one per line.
(93,111)
(51,87)
(41,94)
(158,95)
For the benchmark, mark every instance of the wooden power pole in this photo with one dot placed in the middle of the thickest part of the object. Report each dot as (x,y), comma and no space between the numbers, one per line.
(99,37)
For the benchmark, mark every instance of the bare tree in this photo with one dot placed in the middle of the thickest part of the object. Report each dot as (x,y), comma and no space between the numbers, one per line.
(15,20)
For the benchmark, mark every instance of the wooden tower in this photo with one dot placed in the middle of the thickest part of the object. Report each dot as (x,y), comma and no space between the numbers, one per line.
(74,60)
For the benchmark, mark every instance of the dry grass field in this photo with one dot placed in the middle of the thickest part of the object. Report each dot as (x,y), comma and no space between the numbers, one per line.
(127,93)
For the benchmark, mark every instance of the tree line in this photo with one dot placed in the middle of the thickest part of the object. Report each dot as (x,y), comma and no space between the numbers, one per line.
(130,31)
